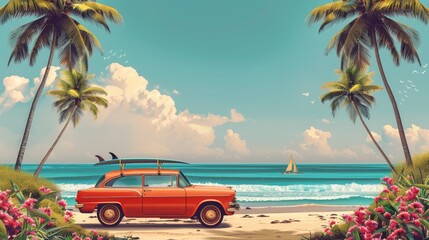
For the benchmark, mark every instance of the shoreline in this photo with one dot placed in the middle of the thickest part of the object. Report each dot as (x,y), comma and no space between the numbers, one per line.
(285,222)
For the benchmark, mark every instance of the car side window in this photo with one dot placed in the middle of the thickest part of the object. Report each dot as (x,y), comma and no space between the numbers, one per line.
(160,181)
(126,181)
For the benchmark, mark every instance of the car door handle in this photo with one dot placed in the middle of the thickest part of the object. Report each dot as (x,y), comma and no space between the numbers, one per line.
(147,190)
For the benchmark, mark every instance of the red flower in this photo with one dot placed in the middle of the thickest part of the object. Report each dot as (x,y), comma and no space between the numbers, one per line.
(29,203)
(62,203)
(380,209)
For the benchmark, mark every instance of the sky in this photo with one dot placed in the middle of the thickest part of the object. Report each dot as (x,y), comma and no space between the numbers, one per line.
(213,82)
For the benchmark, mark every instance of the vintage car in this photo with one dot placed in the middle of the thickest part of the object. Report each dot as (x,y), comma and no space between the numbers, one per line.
(154,193)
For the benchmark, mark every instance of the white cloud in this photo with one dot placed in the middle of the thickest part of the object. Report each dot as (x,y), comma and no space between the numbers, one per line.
(15,89)
(324,120)
(376,136)
(236,117)
(235,144)
(145,122)
(51,76)
(417,137)
(315,142)
(176,92)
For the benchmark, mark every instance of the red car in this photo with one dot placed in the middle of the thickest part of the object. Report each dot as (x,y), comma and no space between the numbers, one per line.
(159,193)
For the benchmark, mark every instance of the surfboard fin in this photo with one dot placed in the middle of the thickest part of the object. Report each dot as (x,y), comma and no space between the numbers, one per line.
(113,155)
(100,158)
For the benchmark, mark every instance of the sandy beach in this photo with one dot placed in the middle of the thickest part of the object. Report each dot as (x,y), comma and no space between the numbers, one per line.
(255,223)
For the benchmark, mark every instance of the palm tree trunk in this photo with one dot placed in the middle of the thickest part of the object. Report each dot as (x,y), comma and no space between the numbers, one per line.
(406,150)
(39,168)
(21,152)
(373,139)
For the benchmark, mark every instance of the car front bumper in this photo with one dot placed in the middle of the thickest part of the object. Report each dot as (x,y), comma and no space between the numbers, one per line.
(233,206)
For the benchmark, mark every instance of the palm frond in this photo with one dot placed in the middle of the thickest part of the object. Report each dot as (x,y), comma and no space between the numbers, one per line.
(407,37)
(406,8)
(23,8)
(106,11)
(43,40)
(22,36)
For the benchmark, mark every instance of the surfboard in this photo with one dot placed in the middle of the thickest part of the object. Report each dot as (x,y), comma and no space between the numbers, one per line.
(138,160)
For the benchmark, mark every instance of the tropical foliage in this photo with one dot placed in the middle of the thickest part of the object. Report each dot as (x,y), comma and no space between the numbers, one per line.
(399,212)
(56,27)
(371,26)
(28,219)
(74,96)
(353,90)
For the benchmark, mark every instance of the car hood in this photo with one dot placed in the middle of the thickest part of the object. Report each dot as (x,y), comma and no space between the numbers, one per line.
(211,187)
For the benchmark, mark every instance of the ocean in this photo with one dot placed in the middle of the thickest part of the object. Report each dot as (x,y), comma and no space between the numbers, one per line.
(256,184)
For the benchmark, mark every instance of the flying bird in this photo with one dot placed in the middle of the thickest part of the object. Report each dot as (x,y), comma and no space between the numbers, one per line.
(425,65)
(407,86)
(126,61)
(415,71)
(412,85)
(312,102)
(409,81)
(402,100)
(423,72)
(306,94)
(406,95)
(399,92)
(401,81)
(416,90)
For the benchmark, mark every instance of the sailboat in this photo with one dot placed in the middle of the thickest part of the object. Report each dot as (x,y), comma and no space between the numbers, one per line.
(291,167)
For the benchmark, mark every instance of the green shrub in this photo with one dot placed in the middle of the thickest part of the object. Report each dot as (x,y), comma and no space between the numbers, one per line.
(25,181)
(420,167)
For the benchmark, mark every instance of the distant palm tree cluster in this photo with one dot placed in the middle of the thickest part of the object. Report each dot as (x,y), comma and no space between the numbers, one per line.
(57,27)
(371,26)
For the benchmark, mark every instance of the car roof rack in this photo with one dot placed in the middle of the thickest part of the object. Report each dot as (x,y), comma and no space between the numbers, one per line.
(123,161)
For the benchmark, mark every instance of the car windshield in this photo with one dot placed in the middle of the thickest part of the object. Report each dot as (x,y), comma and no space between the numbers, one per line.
(100,180)
(183,181)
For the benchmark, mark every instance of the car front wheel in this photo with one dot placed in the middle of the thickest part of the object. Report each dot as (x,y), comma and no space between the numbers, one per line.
(210,216)
(109,215)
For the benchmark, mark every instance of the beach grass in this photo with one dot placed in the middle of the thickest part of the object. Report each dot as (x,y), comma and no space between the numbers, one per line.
(25,181)
(420,167)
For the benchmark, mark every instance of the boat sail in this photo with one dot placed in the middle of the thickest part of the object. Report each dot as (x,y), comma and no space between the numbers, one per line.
(291,167)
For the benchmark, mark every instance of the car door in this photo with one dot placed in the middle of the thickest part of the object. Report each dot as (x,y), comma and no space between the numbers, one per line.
(162,196)
(126,190)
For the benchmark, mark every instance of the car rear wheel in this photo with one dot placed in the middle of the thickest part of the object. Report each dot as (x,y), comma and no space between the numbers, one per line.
(110,215)
(210,216)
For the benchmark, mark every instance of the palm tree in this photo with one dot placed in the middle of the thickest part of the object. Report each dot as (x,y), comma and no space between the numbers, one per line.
(353,91)
(55,27)
(74,96)
(371,26)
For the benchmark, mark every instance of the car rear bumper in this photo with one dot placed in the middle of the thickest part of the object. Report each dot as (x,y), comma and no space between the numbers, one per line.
(79,205)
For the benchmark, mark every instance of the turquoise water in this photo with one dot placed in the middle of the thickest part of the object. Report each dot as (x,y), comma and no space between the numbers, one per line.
(256,184)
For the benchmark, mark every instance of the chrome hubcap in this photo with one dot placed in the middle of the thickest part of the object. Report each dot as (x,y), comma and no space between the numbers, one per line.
(109,214)
(211,214)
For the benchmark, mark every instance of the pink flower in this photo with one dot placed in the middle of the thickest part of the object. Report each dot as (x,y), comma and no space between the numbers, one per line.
(99,238)
(45,190)
(62,203)
(331,223)
(363,229)
(395,189)
(404,216)
(29,220)
(87,238)
(29,203)
(387,215)
(416,205)
(388,180)
(47,210)
(348,218)
(69,213)
(94,232)
(371,225)
(379,209)
(417,223)
(328,231)
(393,224)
